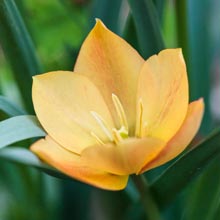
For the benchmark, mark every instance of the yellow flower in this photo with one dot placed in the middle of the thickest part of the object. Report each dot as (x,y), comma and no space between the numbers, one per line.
(116,114)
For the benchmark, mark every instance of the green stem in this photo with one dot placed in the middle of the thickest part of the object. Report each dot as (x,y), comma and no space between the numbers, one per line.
(150,207)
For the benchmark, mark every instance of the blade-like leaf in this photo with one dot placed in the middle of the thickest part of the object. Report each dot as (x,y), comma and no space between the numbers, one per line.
(199,198)
(21,155)
(19,128)
(18,48)
(26,157)
(108,12)
(130,33)
(201,51)
(182,27)
(160,5)
(147,26)
(187,167)
(9,108)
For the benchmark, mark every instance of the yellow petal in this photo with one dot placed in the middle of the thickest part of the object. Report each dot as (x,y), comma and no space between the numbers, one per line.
(163,91)
(63,102)
(125,158)
(113,66)
(182,138)
(71,164)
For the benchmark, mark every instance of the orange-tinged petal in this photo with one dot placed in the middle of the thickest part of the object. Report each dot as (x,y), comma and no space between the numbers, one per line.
(125,158)
(113,66)
(63,102)
(69,163)
(182,138)
(163,91)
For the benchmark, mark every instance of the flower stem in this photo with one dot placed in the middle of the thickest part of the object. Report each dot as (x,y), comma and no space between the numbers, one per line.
(150,207)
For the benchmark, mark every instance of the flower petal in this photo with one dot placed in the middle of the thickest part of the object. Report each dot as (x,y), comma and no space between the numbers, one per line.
(113,66)
(182,138)
(71,164)
(163,91)
(125,158)
(63,102)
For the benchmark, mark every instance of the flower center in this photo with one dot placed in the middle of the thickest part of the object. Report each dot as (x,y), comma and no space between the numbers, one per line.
(113,134)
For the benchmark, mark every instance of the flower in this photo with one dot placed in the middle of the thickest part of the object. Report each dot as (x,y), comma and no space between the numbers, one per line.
(115,114)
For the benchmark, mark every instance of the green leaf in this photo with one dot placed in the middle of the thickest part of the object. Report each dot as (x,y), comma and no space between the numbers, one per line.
(147,25)
(18,48)
(9,108)
(198,196)
(21,155)
(24,156)
(185,169)
(130,33)
(19,128)
(160,5)
(108,12)
(182,27)
(201,55)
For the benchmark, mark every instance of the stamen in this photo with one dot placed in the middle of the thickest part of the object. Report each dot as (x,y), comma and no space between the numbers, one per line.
(97,138)
(139,126)
(102,124)
(144,129)
(116,136)
(120,111)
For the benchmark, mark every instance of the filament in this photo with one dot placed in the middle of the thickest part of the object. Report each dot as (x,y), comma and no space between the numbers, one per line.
(99,141)
(120,111)
(102,124)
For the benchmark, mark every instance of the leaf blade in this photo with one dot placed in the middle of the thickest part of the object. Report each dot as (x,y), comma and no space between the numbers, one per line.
(147,26)
(24,156)
(18,48)
(185,169)
(9,108)
(26,126)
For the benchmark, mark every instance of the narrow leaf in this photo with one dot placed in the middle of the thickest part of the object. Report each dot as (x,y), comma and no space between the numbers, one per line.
(201,51)
(198,196)
(160,5)
(18,48)
(21,155)
(130,33)
(19,128)
(147,26)
(9,108)
(185,169)
(108,12)
(26,157)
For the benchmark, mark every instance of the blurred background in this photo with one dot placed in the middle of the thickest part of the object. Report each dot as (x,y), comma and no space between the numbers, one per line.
(56,30)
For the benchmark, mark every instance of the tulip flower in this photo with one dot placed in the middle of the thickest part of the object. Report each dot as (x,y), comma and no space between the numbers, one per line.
(115,114)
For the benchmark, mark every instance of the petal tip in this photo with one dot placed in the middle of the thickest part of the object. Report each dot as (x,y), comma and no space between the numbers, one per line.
(200,104)
(99,24)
